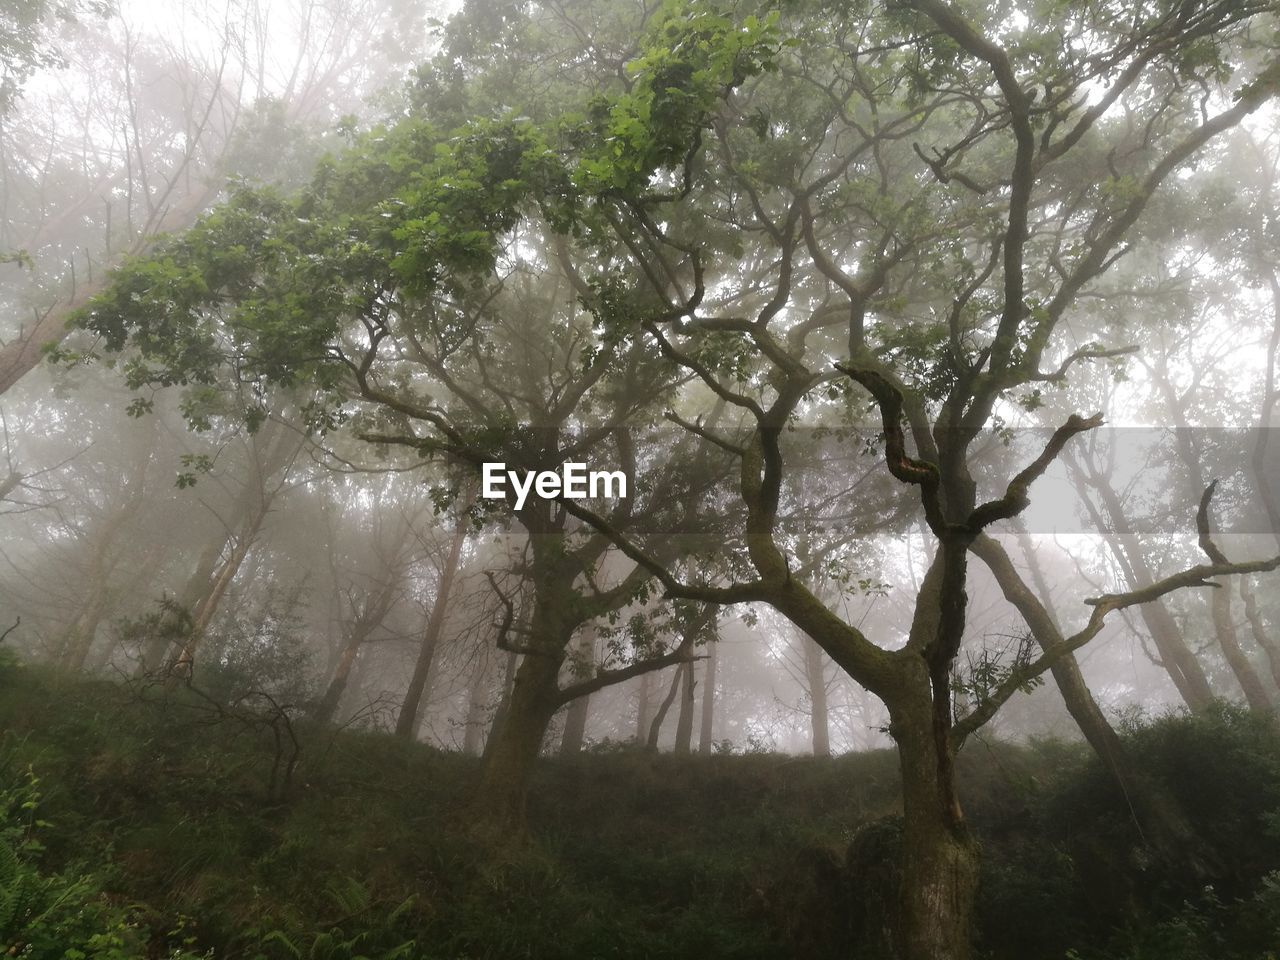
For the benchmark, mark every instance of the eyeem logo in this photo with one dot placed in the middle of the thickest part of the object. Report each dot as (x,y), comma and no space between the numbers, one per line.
(573,482)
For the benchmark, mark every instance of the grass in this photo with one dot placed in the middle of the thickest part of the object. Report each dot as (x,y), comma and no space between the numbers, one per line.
(170,810)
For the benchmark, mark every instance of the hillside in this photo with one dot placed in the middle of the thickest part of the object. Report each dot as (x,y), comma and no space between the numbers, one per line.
(166,807)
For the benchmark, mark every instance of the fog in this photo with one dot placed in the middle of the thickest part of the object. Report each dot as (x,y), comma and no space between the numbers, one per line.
(946,393)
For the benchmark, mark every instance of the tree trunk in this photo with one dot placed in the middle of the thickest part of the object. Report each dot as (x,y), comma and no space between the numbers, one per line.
(1157,815)
(24,353)
(156,650)
(79,637)
(103,558)
(183,661)
(1260,634)
(815,677)
(1263,472)
(504,702)
(407,721)
(1176,657)
(575,727)
(327,708)
(138,584)
(642,709)
(473,730)
(655,728)
(706,734)
(940,868)
(940,855)
(684,719)
(1191,455)
(1255,694)
(514,746)
(575,721)
(274,449)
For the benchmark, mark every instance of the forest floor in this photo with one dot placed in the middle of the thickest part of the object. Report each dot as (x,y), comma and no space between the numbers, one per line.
(153,818)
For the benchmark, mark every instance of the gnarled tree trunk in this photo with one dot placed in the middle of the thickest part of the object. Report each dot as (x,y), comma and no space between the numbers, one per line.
(515,744)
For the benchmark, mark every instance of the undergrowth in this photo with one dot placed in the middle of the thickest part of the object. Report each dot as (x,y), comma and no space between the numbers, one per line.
(138,825)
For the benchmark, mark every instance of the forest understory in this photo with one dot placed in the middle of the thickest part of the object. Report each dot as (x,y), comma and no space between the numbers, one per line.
(134,838)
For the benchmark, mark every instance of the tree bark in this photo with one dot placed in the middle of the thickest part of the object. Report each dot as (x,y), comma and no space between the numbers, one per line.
(655,728)
(940,855)
(1154,810)
(407,721)
(515,744)
(504,702)
(1255,694)
(1184,670)
(815,678)
(642,709)
(473,729)
(575,721)
(1261,636)
(327,708)
(706,735)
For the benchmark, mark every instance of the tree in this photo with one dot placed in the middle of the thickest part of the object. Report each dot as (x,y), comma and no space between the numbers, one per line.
(410,710)
(895,210)
(181,116)
(25,43)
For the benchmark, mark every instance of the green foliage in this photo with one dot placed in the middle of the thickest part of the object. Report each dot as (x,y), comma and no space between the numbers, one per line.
(633,856)
(378,940)
(62,915)
(27,40)
(697,54)
(994,665)
(262,649)
(272,290)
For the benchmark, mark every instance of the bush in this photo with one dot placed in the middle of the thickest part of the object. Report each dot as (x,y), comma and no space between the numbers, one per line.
(63,915)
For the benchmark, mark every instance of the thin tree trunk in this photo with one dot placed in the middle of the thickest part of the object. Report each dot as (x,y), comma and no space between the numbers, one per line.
(473,730)
(1255,694)
(504,702)
(156,650)
(706,734)
(815,677)
(1184,670)
(1154,810)
(1263,476)
(575,721)
(684,719)
(79,637)
(327,708)
(1260,634)
(274,449)
(1224,628)
(140,579)
(183,661)
(655,728)
(24,353)
(407,721)
(642,709)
